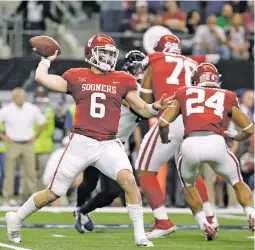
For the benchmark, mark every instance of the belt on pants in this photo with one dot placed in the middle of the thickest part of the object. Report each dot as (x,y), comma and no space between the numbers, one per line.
(21,142)
(200,133)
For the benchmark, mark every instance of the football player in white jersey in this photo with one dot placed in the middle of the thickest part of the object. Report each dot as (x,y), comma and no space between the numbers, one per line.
(111,190)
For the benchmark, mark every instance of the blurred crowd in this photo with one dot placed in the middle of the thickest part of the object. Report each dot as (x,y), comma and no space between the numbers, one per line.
(29,153)
(223,27)
(217,26)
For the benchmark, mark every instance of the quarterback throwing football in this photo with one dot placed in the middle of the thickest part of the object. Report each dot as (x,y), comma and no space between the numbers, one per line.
(98,94)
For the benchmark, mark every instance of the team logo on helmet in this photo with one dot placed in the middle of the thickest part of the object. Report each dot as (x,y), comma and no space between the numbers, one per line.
(206,75)
(101,52)
(90,41)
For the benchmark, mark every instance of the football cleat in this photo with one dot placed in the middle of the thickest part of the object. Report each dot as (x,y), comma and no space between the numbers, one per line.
(78,223)
(87,222)
(161,228)
(210,232)
(213,222)
(83,221)
(251,224)
(13,227)
(144,242)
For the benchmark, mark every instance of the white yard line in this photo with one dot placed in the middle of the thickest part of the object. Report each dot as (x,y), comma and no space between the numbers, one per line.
(124,210)
(251,237)
(232,217)
(13,247)
(58,236)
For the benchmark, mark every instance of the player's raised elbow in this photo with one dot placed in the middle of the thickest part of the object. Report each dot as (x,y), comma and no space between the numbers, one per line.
(38,76)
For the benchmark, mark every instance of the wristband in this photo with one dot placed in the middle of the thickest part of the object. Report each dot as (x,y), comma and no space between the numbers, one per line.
(152,110)
(45,61)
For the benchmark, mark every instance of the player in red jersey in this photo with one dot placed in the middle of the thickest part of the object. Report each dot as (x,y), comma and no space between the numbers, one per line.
(98,93)
(167,71)
(203,108)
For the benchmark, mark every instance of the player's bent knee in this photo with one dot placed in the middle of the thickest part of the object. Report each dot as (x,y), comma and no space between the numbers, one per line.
(236,181)
(126,179)
(59,190)
(50,195)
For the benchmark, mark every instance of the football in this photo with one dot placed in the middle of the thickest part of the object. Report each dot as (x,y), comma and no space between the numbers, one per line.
(45,45)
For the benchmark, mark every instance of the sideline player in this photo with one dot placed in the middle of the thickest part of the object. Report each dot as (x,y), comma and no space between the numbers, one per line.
(98,94)
(203,108)
(167,71)
(110,188)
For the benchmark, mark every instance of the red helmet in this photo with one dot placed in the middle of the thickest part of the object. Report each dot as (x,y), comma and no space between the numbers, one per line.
(168,43)
(206,75)
(101,52)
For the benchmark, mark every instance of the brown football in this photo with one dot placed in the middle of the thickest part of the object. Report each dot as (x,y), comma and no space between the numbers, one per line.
(44,45)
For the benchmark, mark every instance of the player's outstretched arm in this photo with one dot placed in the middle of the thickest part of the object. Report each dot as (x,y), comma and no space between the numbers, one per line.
(167,117)
(144,109)
(242,121)
(52,82)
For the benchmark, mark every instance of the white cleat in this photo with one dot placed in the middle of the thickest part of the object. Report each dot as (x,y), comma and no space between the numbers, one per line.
(210,232)
(13,227)
(161,228)
(144,242)
(160,233)
(213,222)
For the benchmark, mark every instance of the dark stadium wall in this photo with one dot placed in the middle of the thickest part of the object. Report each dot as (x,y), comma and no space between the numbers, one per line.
(14,72)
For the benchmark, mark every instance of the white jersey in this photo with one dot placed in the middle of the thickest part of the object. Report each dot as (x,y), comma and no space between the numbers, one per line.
(127,124)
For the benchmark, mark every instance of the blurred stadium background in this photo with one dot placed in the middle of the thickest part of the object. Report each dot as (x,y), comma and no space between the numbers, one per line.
(71,23)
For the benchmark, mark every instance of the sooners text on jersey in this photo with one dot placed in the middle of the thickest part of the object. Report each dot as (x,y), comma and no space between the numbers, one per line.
(169,72)
(204,109)
(98,99)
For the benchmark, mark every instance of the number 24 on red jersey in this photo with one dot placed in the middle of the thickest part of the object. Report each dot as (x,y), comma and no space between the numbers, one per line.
(198,104)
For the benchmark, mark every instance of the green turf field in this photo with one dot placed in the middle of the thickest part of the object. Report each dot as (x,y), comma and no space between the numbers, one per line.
(113,239)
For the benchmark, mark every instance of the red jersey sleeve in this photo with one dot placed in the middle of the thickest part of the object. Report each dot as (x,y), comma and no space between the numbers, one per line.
(231,101)
(180,93)
(68,76)
(129,84)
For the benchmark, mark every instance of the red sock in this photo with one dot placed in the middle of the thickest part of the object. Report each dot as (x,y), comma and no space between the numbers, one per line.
(151,189)
(202,190)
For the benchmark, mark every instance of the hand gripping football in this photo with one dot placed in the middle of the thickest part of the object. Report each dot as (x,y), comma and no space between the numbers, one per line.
(45,45)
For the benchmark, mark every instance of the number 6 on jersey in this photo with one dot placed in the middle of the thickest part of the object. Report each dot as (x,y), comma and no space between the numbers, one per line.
(97,110)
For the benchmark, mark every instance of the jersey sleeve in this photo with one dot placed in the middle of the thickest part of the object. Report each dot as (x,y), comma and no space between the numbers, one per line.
(130,84)
(179,93)
(232,99)
(68,77)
